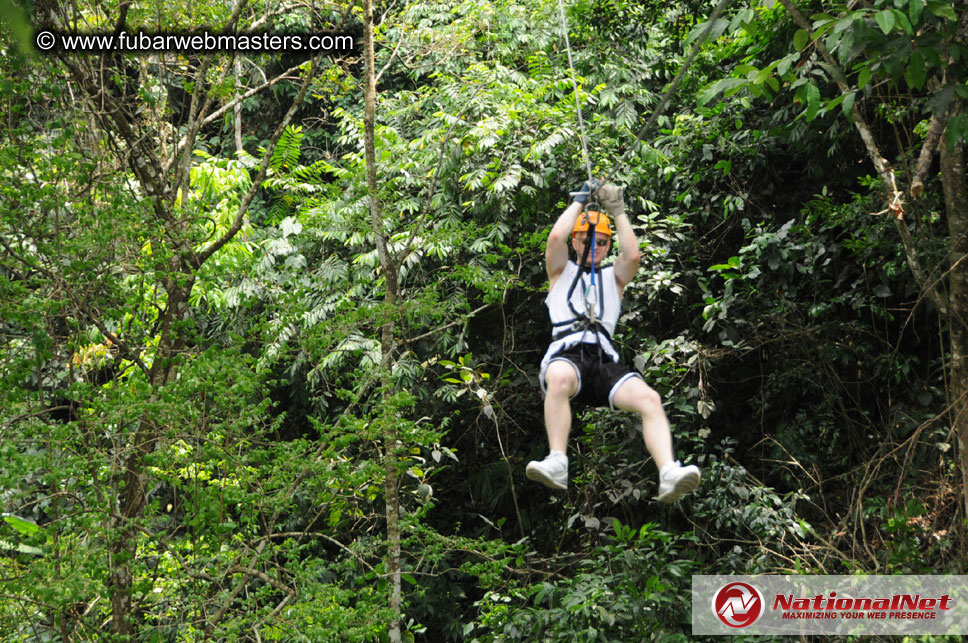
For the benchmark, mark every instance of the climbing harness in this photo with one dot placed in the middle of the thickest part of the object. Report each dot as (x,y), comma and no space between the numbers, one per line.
(593,295)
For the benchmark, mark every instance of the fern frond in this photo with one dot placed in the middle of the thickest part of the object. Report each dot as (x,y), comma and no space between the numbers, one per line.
(287,150)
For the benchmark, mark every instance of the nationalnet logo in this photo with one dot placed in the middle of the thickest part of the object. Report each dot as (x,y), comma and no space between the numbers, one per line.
(852,605)
(898,606)
(738,604)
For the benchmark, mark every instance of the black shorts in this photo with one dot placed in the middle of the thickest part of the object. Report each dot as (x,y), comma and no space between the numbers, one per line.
(599,376)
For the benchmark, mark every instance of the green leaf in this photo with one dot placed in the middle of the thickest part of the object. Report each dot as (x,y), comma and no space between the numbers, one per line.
(915,8)
(763,75)
(23,549)
(916,72)
(286,152)
(832,104)
(813,102)
(784,65)
(902,20)
(749,71)
(957,129)
(715,31)
(720,86)
(863,77)
(625,113)
(23,526)
(800,39)
(848,105)
(885,20)
(844,24)
(942,10)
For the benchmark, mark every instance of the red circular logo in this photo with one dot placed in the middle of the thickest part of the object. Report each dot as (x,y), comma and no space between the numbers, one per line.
(738,604)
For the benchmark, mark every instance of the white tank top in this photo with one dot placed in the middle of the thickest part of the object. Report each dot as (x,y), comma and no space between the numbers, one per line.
(605,299)
(608,307)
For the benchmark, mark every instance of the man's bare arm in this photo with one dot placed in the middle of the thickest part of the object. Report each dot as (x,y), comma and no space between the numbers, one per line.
(627,263)
(556,252)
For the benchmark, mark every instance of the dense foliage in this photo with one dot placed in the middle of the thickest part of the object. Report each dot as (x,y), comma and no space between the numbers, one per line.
(206,396)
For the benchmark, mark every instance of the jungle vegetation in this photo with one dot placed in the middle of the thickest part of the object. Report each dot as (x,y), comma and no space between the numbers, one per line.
(270,323)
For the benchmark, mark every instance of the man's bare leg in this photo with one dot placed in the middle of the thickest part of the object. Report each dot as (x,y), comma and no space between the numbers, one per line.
(561,381)
(674,480)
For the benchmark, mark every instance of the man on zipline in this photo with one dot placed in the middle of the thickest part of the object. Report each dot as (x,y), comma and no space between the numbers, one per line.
(584,304)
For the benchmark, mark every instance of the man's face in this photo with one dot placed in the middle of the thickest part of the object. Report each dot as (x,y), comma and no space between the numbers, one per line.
(602,244)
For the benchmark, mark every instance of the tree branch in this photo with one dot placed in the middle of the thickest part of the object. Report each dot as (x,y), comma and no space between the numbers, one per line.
(184,164)
(437,330)
(403,36)
(198,107)
(927,155)
(27,416)
(884,169)
(204,255)
(251,571)
(231,105)
(880,163)
(126,350)
(144,162)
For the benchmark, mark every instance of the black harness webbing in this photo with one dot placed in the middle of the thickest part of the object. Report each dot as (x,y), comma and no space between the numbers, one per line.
(592,295)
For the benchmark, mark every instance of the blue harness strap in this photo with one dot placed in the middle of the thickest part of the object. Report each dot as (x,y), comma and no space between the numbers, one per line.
(588,319)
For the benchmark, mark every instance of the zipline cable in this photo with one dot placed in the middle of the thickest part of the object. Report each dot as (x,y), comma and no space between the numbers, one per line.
(717,12)
(590,242)
(574,84)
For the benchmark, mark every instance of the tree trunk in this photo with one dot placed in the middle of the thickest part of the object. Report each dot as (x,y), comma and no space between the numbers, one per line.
(126,122)
(131,495)
(953,180)
(956,206)
(386,331)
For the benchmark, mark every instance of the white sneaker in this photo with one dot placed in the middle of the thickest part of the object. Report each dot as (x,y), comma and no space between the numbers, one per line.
(675,481)
(552,472)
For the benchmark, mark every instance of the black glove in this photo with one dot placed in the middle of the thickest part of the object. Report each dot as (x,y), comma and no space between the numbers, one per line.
(587,189)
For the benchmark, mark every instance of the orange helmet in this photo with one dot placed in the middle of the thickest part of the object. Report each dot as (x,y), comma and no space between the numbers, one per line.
(601,221)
